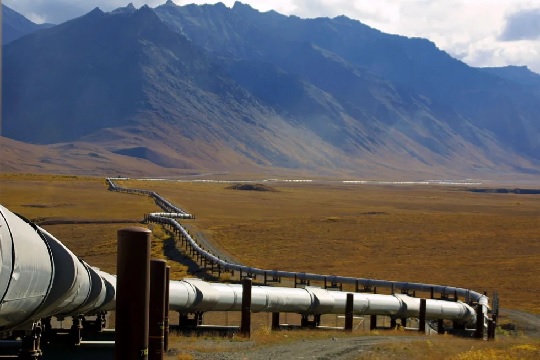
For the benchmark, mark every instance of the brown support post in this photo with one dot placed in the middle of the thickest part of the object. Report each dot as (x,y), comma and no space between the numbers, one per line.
(440,326)
(349,312)
(166,318)
(132,293)
(76,329)
(275,321)
(372,322)
(245,324)
(479,334)
(404,322)
(491,329)
(156,342)
(422,316)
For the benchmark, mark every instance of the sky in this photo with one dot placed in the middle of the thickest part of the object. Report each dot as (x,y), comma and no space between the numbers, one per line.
(479,32)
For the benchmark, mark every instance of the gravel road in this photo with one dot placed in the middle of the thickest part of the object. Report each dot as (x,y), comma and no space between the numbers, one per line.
(327,349)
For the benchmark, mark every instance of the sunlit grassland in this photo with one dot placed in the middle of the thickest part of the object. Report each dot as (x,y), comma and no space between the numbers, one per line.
(431,234)
(439,235)
(61,198)
(451,348)
(405,345)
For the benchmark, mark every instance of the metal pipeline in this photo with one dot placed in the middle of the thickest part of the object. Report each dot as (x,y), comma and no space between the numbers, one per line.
(469,295)
(191,295)
(51,281)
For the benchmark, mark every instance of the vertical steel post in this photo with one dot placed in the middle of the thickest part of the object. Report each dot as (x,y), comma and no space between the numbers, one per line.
(491,329)
(479,334)
(372,322)
(132,293)
(275,321)
(404,322)
(422,316)
(349,312)
(245,324)
(440,326)
(156,329)
(166,319)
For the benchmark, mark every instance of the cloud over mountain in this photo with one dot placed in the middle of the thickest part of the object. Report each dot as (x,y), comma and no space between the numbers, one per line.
(522,25)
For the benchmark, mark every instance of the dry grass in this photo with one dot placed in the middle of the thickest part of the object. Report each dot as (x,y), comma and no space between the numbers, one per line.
(58,197)
(404,346)
(422,234)
(450,348)
(438,235)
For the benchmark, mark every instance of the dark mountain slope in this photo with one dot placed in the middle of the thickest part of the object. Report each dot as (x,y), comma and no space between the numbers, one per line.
(14,25)
(76,83)
(165,89)
(489,103)
(133,85)
(518,74)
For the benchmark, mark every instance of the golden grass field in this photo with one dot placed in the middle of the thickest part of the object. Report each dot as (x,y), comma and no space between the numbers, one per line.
(430,234)
(433,234)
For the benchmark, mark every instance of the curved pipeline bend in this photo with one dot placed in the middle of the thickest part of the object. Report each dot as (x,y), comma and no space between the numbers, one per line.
(469,295)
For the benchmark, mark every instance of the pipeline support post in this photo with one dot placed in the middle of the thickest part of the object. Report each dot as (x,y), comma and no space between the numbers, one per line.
(349,312)
(275,321)
(166,329)
(31,344)
(132,293)
(245,324)
(479,333)
(422,316)
(372,322)
(156,330)
(491,329)
(440,327)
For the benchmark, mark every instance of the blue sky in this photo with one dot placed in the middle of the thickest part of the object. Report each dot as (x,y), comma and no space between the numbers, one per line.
(479,32)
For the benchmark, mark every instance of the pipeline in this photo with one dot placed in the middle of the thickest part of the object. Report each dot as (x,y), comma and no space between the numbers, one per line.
(405,287)
(51,281)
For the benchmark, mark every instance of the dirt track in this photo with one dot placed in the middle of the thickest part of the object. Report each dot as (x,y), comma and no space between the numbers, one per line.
(335,348)
(528,324)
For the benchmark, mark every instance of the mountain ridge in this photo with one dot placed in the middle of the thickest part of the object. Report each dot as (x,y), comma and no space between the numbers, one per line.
(138,86)
(15,25)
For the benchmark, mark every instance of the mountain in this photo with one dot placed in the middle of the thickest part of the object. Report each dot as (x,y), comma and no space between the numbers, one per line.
(411,64)
(135,86)
(14,25)
(207,87)
(520,75)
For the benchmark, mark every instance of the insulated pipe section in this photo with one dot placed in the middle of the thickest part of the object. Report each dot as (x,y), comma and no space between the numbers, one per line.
(77,288)
(469,295)
(31,288)
(26,272)
(71,286)
(192,295)
(160,200)
(174,215)
(48,280)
